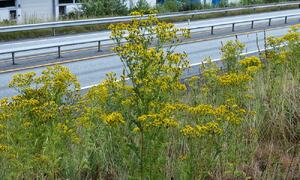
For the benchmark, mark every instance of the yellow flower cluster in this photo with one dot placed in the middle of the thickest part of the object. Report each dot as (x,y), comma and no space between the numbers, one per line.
(84,121)
(167,122)
(202,110)
(251,64)
(136,129)
(229,112)
(24,103)
(98,93)
(70,132)
(201,130)
(27,123)
(22,80)
(114,118)
(2,127)
(292,36)
(4,148)
(158,120)
(136,13)
(3,102)
(64,128)
(234,79)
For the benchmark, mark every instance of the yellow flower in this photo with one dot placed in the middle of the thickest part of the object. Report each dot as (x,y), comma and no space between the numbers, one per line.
(27,123)
(183,157)
(136,129)
(2,126)
(63,127)
(251,61)
(201,130)
(252,69)
(136,13)
(4,147)
(202,109)
(143,118)
(235,106)
(188,130)
(75,138)
(234,79)
(251,64)
(170,122)
(114,118)
(181,87)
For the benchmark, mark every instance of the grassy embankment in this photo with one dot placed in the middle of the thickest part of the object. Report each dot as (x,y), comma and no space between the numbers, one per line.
(239,122)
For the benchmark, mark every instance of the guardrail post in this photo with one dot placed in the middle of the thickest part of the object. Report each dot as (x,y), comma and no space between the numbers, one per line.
(285,19)
(13,58)
(59,52)
(99,46)
(252,24)
(233,27)
(53,32)
(270,21)
(212,30)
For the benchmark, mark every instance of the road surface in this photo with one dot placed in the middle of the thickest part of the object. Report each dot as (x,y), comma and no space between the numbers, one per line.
(93,71)
(105,34)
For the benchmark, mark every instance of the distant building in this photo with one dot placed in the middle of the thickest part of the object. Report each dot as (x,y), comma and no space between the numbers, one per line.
(25,11)
(131,3)
(35,10)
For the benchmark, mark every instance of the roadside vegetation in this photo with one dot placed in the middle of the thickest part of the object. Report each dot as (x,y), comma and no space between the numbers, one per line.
(240,121)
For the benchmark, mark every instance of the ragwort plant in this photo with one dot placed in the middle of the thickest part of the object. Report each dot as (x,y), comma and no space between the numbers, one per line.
(38,128)
(145,126)
(226,94)
(132,110)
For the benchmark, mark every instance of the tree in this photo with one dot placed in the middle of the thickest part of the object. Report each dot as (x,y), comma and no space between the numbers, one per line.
(142,6)
(103,8)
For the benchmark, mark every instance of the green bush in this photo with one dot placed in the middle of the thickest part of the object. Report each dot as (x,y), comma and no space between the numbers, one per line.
(96,8)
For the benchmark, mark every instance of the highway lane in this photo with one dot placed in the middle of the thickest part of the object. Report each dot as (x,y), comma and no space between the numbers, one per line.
(105,34)
(71,55)
(93,71)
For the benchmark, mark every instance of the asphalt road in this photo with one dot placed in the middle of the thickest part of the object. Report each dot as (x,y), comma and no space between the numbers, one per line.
(93,71)
(105,34)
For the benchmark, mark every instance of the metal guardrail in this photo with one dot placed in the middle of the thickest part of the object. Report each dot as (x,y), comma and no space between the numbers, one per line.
(54,25)
(233,23)
(212,26)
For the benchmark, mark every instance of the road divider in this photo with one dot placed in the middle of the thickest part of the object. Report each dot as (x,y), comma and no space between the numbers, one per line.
(60,45)
(99,21)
